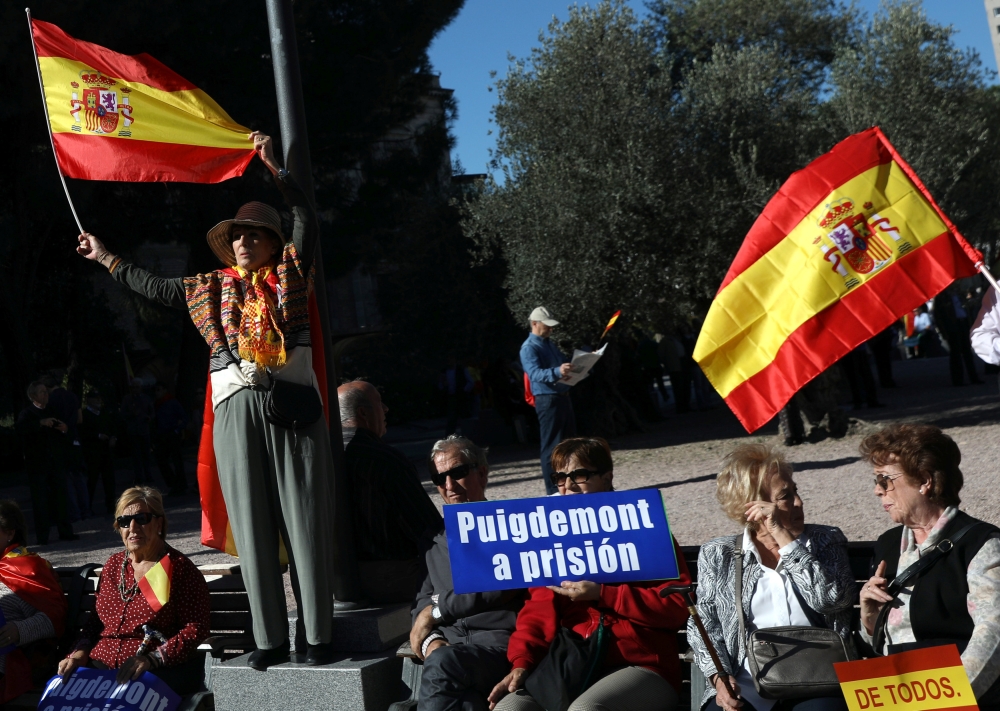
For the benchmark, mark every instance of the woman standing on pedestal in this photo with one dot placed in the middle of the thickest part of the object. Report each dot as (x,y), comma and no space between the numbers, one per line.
(254,316)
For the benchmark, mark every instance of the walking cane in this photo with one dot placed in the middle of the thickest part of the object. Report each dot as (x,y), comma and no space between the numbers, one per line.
(685,590)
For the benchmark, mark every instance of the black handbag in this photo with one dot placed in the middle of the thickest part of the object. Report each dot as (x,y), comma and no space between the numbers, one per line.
(292,405)
(569,668)
(792,662)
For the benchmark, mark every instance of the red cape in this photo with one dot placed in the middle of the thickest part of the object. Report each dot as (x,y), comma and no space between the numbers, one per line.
(31,578)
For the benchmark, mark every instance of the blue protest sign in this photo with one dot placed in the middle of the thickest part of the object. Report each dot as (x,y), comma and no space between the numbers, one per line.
(97,690)
(611,537)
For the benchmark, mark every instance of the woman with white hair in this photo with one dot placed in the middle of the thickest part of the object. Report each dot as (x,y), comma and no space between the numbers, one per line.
(793,574)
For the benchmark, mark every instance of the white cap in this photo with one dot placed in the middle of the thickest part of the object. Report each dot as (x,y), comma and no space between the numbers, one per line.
(542,314)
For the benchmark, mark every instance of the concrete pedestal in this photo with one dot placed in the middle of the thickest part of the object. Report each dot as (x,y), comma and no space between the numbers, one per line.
(362,682)
(371,629)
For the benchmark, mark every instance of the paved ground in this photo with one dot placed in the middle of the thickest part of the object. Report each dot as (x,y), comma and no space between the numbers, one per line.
(681,458)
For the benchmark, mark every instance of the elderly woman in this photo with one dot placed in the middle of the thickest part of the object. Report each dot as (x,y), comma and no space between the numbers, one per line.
(275,477)
(793,574)
(31,601)
(152,608)
(956,599)
(640,669)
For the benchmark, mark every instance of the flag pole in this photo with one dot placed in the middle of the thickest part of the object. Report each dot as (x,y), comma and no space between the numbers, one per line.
(295,145)
(989,277)
(48,123)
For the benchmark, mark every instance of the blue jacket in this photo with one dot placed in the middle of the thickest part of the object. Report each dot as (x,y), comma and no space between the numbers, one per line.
(541,359)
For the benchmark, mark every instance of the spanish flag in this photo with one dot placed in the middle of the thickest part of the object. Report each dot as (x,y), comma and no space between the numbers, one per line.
(116,117)
(155,584)
(847,246)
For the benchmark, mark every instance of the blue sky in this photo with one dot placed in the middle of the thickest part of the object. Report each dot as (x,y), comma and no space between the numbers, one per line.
(485,31)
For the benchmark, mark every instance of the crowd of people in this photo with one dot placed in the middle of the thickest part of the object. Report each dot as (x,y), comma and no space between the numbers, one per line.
(489,649)
(496,650)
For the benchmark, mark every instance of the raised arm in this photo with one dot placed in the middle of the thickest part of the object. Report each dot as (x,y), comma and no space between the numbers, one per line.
(305,230)
(165,291)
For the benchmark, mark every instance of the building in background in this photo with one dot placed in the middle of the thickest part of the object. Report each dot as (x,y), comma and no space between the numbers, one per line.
(993,18)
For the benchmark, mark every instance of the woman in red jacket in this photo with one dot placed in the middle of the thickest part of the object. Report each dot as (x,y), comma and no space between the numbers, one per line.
(640,669)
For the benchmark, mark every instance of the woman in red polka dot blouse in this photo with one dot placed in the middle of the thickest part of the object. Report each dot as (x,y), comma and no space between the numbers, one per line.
(148,583)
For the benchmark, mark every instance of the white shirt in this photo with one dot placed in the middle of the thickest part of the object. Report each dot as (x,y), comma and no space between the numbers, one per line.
(986,329)
(774,604)
(922,322)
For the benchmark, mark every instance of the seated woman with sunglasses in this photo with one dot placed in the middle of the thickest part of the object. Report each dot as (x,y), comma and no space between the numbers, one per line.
(152,607)
(640,669)
(955,598)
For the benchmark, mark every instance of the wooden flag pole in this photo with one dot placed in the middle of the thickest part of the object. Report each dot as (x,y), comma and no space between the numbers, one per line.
(48,123)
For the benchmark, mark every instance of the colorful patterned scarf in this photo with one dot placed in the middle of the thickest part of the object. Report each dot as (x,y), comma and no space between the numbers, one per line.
(260,340)
(255,316)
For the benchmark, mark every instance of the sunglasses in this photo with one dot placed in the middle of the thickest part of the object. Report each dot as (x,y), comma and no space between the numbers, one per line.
(885,482)
(459,472)
(141,518)
(578,476)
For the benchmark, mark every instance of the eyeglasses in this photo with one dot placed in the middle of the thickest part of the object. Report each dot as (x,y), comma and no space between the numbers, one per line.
(141,518)
(578,476)
(459,472)
(885,482)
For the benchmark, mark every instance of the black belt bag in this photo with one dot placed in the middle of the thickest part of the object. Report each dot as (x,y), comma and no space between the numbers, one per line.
(291,405)
(792,662)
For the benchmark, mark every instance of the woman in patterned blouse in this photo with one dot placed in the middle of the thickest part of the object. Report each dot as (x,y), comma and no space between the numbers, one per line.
(957,599)
(151,585)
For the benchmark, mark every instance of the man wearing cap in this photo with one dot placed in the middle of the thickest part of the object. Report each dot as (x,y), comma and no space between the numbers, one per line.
(254,316)
(545,366)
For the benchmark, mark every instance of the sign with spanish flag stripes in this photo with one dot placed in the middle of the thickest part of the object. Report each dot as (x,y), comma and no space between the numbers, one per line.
(921,680)
(155,584)
(846,246)
(116,117)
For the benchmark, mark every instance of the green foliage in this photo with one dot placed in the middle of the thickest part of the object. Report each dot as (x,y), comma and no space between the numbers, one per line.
(632,157)
(905,74)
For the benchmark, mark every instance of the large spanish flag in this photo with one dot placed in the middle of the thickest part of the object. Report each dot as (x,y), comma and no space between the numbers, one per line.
(848,245)
(116,117)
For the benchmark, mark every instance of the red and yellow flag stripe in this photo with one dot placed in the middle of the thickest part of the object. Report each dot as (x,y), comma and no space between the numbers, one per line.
(119,117)
(155,584)
(847,245)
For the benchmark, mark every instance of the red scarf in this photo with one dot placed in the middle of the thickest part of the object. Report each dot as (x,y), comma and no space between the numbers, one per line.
(31,578)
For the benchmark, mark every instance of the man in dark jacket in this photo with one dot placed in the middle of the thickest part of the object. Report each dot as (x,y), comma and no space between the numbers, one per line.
(392,514)
(45,446)
(461,638)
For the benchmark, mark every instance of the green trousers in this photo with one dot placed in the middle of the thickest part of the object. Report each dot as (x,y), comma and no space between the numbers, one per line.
(274,485)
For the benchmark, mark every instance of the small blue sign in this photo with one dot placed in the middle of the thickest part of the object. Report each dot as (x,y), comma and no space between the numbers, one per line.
(611,537)
(97,690)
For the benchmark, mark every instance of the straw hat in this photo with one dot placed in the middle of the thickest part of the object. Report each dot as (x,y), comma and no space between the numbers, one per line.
(253,214)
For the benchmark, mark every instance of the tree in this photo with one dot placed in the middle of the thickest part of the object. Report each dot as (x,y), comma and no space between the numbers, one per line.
(633,157)
(905,75)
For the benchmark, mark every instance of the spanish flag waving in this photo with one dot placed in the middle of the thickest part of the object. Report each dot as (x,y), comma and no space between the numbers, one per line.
(847,246)
(116,117)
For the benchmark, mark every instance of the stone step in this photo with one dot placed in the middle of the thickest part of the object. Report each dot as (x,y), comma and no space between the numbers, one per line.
(371,629)
(353,682)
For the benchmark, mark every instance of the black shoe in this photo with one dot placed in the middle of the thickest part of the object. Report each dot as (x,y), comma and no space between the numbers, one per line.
(69,537)
(261,659)
(319,654)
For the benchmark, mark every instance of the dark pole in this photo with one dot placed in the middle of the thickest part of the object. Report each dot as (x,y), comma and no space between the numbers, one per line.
(295,144)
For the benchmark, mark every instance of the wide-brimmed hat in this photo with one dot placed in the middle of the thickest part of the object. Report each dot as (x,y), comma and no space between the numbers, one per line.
(253,214)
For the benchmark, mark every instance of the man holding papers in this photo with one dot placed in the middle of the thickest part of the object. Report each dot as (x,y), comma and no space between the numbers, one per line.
(546,366)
